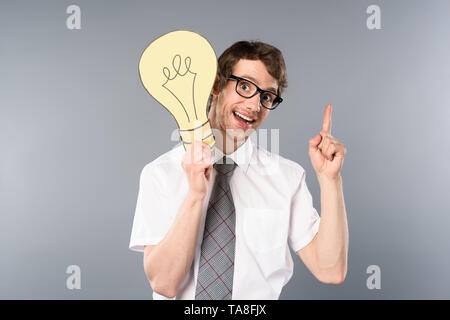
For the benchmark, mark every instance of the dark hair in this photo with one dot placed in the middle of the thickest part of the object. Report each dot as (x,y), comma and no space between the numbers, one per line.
(253,50)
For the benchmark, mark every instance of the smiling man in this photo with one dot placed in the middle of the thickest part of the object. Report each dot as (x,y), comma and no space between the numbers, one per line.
(217,224)
(237,118)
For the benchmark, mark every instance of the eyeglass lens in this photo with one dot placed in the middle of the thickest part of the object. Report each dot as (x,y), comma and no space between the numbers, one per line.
(248,89)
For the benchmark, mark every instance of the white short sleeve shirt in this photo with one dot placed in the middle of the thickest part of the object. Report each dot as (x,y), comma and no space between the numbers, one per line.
(274,210)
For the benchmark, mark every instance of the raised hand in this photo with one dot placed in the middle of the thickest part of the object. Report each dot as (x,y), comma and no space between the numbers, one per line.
(326,152)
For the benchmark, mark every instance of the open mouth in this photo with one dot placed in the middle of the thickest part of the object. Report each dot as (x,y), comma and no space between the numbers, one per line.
(242,119)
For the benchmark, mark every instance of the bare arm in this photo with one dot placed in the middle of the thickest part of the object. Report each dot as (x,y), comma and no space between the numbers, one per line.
(167,263)
(326,254)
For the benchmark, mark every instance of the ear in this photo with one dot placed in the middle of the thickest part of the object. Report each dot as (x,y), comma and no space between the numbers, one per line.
(215,90)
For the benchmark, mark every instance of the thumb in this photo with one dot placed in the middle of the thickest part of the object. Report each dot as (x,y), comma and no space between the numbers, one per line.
(314,142)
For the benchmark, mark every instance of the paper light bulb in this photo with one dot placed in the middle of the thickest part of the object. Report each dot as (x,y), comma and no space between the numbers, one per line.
(179,69)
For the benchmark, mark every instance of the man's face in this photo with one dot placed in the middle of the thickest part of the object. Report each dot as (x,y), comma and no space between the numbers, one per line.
(227,104)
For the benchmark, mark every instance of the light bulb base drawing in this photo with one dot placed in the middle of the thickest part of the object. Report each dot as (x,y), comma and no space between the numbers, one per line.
(197,131)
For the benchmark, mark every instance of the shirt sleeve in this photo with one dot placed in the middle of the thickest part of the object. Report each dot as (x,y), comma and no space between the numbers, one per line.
(151,219)
(304,220)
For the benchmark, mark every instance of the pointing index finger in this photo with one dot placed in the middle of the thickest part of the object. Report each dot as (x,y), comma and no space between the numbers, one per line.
(326,127)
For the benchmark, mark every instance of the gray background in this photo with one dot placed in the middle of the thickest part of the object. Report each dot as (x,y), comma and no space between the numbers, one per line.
(77,127)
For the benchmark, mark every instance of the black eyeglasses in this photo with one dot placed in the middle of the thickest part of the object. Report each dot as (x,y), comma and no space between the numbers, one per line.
(247,89)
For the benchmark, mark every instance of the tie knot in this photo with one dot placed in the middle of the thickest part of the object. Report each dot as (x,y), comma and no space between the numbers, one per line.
(225,166)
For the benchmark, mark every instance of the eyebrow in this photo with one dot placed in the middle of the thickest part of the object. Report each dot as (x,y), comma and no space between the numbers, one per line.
(255,81)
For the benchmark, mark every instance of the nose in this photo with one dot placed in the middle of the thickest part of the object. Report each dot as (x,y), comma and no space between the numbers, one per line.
(253,104)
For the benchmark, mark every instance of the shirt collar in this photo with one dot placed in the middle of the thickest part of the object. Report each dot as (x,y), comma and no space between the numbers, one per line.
(241,156)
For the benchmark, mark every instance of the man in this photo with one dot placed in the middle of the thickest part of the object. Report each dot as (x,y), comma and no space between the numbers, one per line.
(259,206)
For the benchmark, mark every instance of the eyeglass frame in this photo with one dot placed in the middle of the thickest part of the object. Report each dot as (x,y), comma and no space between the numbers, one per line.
(277,99)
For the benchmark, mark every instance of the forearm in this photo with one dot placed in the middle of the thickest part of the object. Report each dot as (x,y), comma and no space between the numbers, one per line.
(168,263)
(332,238)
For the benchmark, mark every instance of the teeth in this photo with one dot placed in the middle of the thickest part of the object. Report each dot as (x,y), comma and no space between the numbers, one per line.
(243,117)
